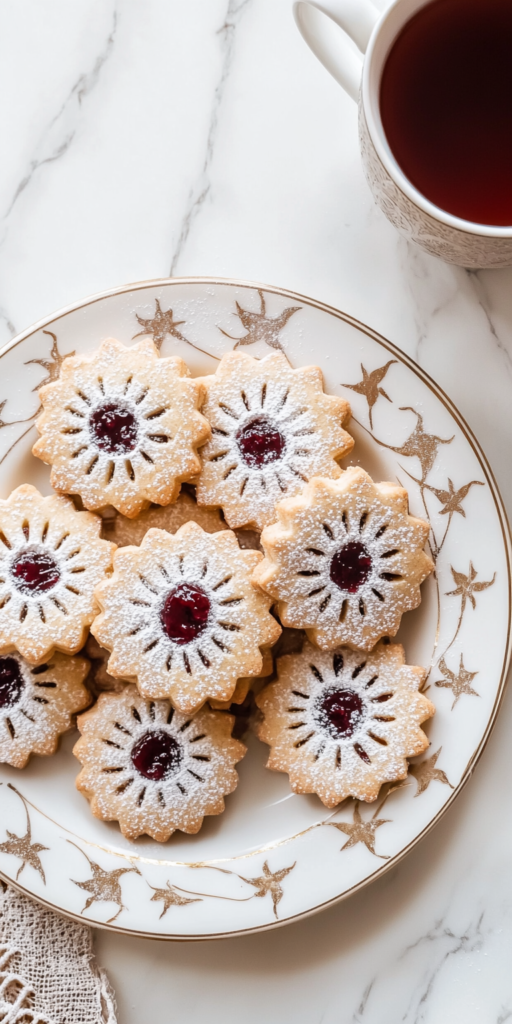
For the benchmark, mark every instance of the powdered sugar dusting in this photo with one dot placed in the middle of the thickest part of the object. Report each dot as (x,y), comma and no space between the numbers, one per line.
(300,425)
(228,644)
(37,704)
(35,619)
(194,785)
(372,746)
(121,427)
(345,560)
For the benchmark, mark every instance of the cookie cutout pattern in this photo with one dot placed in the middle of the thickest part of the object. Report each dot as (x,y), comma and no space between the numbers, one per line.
(124,531)
(341,724)
(153,769)
(37,704)
(121,427)
(182,618)
(345,560)
(273,428)
(51,559)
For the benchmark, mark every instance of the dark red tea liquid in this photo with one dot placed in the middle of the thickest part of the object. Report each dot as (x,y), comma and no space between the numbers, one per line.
(446,106)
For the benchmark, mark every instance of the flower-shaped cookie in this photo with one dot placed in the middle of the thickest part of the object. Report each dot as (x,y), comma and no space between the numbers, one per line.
(182,618)
(124,531)
(272,429)
(153,769)
(51,559)
(121,427)
(37,704)
(345,560)
(340,724)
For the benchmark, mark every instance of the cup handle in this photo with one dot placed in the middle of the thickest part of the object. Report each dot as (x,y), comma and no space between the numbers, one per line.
(356,18)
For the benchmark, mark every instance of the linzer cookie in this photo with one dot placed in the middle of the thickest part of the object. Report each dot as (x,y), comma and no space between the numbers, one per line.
(124,531)
(272,429)
(182,618)
(345,560)
(153,769)
(341,724)
(121,427)
(37,704)
(51,559)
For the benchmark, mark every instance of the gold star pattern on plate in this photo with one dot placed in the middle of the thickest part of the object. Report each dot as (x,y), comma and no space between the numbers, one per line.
(458,684)
(426,772)
(419,444)
(451,500)
(369,386)
(170,897)
(52,364)
(104,886)
(466,586)
(22,846)
(259,326)
(162,324)
(361,831)
(270,882)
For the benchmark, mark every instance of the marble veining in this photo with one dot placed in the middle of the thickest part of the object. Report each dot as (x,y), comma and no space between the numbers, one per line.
(201,188)
(478,283)
(201,136)
(59,133)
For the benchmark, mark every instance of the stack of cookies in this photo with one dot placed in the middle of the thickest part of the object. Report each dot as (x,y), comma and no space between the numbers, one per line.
(192,520)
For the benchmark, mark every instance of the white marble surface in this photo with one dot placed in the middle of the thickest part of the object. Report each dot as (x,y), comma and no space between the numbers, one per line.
(201,137)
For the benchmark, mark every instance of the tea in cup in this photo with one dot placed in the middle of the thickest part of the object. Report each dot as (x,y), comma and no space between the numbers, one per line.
(435,115)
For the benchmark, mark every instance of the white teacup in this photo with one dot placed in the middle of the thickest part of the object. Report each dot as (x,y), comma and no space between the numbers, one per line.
(440,233)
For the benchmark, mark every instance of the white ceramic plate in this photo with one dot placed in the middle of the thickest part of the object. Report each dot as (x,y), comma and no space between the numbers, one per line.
(274,856)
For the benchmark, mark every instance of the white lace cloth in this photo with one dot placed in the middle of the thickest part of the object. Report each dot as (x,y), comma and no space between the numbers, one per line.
(48,974)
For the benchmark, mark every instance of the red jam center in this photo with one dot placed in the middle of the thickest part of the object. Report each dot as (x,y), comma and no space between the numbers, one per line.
(260,442)
(114,429)
(11,682)
(185,613)
(342,711)
(156,755)
(34,572)
(350,567)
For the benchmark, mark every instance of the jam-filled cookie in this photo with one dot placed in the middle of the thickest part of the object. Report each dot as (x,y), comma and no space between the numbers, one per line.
(273,428)
(182,618)
(153,769)
(51,559)
(37,704)
(124,531)
(121,427)
(343,723)
(345,560)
